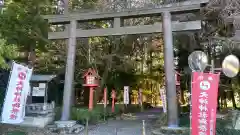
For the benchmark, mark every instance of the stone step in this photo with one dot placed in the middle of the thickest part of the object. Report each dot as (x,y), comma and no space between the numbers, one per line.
(40,121)
(170,131)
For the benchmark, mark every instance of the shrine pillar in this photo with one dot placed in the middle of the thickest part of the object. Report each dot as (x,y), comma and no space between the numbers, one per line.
(69,71)
(172,108)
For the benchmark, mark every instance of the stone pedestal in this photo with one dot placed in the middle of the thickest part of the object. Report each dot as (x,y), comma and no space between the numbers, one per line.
(171,131)
(66,127)
(65,124)
(39,115)
(38,121)
(39,109)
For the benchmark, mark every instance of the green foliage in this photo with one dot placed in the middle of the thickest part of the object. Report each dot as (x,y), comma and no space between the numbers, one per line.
(6,51)
(21,24)
(161,121)
(80,114)
(94,116)
(118,79)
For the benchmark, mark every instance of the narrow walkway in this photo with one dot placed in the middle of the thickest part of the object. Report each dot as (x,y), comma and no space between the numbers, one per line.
(127,127)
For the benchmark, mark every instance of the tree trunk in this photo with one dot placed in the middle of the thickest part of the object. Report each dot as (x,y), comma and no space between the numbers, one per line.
(181,96)
(102,82)
(224,99)
(233,99)
(105,73)
(222,102)
(218,103)
(130,97)
(30,61)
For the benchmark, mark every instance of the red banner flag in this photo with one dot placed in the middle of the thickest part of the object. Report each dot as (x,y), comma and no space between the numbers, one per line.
(204,103)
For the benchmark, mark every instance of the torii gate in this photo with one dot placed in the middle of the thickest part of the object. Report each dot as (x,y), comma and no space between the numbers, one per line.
(119,29)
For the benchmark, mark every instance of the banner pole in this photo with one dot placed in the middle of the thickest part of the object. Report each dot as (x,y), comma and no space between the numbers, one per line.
(212,66)
(143,127)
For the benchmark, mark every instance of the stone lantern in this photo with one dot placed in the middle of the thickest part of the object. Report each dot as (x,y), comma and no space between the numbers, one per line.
(91,80)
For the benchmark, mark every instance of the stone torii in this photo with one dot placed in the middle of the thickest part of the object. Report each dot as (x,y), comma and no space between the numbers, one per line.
(167,27)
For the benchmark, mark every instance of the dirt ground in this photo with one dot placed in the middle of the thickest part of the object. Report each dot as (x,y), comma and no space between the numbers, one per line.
(6,129)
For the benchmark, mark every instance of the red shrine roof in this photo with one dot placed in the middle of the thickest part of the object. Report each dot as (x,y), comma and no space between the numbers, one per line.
(92,71)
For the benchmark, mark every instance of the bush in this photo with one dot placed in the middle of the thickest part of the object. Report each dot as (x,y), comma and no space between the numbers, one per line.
(162,120)
(81,114)
(94,116)
(147,105)
(131,109)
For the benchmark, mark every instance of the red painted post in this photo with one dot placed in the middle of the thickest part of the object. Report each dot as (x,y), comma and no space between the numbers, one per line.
(113,100)
(105,97)
(91,99)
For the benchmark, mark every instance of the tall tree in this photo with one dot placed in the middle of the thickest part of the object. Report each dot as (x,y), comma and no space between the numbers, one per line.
(22,25)
(6,52)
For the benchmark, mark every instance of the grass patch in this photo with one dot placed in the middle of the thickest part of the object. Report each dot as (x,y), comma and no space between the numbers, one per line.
(80,113)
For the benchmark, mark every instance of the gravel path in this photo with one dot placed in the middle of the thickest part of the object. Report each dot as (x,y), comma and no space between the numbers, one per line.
(127,127)
(119,127)
(112,127)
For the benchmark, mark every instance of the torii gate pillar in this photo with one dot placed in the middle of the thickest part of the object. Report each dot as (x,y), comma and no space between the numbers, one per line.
(169,71)
(69,71)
